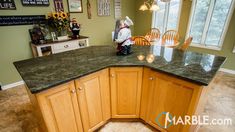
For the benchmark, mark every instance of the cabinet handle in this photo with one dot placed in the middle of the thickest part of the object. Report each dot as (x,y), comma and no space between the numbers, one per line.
(66,46)
(80,88)
(151,78)
(73,91)
(112,75)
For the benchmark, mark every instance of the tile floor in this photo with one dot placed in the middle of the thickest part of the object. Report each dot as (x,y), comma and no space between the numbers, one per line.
(125,127)
(16,110)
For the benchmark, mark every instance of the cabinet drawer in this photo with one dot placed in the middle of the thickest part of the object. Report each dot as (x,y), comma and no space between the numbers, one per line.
(65,46)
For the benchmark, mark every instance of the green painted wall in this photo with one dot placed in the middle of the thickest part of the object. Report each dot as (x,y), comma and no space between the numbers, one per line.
(143,19)
(14,40)
(143,24)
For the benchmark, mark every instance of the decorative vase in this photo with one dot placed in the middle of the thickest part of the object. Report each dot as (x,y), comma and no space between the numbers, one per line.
(62,35)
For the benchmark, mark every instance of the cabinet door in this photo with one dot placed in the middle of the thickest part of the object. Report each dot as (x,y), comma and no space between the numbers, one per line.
(94,99)
(126,91)
(146,92)
(169,94)
(60,109)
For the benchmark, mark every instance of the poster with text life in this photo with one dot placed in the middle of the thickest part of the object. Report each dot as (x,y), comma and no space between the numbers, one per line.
(7,5)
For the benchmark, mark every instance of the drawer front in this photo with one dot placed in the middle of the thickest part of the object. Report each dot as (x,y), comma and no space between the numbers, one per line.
(65,46)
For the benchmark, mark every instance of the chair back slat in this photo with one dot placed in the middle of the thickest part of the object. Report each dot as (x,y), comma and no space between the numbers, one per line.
(140,40)
(153,34)
(171,35)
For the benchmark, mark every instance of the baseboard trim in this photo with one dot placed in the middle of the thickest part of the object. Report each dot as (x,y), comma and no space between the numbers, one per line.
(12,85)
(227,70)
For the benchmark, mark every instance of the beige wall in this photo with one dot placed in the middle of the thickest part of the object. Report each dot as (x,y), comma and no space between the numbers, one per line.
(14,40)
(143,23)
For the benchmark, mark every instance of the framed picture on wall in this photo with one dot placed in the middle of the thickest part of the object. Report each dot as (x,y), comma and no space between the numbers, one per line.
(75,6)
(7,5)
(103,7)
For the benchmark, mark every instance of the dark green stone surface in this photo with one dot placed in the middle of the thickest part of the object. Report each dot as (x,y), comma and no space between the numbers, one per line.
(44,72)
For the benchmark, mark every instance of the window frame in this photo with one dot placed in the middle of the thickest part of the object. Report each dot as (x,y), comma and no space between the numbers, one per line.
(207,24)
(166,17)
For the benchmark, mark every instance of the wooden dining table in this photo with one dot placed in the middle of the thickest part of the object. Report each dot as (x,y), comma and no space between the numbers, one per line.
(170,43)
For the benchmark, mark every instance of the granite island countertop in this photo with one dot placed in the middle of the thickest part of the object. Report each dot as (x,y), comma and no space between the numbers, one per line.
(44,72)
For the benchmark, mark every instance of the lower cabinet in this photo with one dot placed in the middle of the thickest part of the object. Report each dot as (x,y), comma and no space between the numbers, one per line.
(163,94)
(94,99)
(125,85)
(59,108)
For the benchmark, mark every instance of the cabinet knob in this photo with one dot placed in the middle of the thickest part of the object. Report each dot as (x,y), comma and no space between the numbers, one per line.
(66,46)
(112,75)
(80,88)
(73,91)
(151,78)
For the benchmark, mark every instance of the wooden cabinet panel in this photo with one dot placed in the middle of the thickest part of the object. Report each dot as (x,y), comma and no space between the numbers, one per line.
(60,109)
(145,94)
(126,92)
(94,99)
(172,95)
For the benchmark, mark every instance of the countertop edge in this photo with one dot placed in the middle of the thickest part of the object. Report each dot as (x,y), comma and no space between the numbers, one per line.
(109,66)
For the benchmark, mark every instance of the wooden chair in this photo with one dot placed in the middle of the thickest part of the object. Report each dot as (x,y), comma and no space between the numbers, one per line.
(186,44)
(140,40)
(153,34)
(171,35)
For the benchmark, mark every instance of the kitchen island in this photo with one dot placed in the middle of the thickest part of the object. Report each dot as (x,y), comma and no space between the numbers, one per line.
(83,89)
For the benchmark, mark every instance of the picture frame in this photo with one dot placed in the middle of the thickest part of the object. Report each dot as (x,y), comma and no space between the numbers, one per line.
(117,9)
(35,3)
(75,6)
(7,5)
(103,7)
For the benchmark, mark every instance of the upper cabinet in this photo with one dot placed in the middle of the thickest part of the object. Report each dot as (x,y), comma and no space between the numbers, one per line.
(163,94)
(125,85)
(59,108)
(94,99)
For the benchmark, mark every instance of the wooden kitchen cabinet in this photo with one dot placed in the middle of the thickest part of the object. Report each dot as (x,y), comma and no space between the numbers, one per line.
(145,94)
(59,108)
(162,93)
(87,103)
(94,99)
(125,85)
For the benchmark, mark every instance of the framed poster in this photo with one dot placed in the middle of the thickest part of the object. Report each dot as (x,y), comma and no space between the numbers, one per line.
(75,6)
(7,5)
(117,9)
(35,2)
(22,20)
(58,4)
(103,7)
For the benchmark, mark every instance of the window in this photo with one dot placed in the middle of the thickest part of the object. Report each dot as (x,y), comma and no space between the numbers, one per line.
(168,16)
(209,20)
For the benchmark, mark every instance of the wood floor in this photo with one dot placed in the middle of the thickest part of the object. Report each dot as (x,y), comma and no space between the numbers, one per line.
(16,110)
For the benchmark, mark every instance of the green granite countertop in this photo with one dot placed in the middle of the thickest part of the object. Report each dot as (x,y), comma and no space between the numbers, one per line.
(44,72)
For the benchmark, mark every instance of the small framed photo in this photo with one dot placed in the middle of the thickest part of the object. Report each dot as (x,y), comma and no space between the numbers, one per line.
(75,6)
